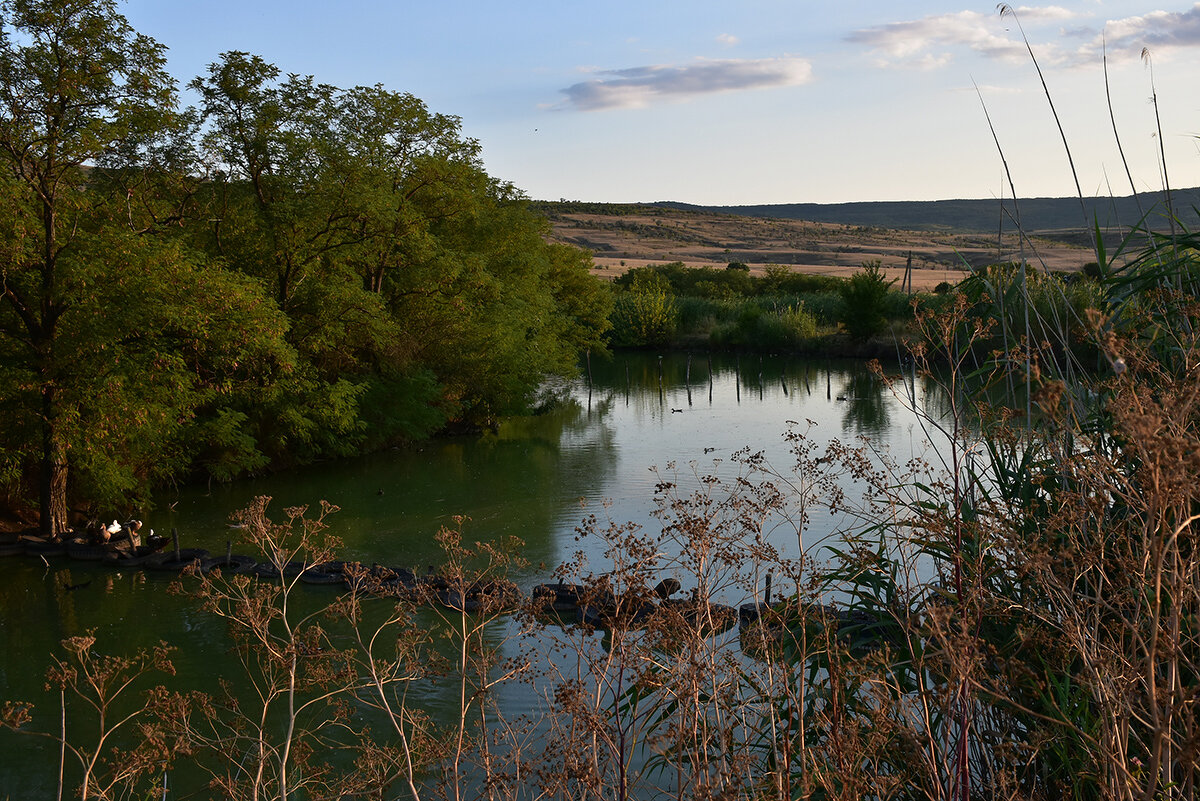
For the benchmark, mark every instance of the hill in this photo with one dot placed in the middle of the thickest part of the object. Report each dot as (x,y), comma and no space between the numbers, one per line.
(1037,215)
(625,236)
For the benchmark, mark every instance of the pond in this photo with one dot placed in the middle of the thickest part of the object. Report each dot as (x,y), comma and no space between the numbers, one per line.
(603,449)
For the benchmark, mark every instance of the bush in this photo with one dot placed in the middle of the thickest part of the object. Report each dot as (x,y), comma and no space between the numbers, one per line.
(734,281)
(800,323)
(780,280)
(825,306)
(1034,305)
(644,315)
(865,301)
(773,328)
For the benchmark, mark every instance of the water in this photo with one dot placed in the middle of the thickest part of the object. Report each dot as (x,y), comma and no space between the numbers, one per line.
(535,479)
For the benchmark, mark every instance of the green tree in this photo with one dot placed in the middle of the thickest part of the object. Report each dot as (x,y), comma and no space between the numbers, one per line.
(79,90)
(113,339)
(225,301)
(864,297)
(507,308)
(645,314)
(397,258)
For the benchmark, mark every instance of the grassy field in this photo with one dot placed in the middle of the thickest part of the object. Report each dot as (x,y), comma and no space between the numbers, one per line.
(622,237)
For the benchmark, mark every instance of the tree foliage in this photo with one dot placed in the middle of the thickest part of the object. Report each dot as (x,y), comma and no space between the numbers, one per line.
(645,314)
(864,301)
(290,271)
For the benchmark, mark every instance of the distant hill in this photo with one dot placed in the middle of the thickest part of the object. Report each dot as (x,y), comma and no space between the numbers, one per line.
(623,236)
(980,216)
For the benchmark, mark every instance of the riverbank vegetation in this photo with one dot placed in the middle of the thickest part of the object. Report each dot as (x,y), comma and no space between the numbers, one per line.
(672,305)
(290,271)
(782,311)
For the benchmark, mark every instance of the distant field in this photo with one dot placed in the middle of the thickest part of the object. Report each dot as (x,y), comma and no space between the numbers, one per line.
(622,237)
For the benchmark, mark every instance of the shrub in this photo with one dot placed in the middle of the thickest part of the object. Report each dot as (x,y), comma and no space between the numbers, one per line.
(800,322)
(753,325)
(780,280)
(825,306)
(644,315)
(864,301)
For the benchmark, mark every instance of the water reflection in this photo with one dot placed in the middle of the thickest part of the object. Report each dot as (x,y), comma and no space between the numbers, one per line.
(865,410)
(651,384)
(519,481)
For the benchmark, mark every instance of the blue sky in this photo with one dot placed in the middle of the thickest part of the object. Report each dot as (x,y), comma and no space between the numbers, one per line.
(759,101)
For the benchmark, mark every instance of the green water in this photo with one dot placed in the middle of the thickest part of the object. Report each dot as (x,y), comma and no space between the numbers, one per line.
(533,478)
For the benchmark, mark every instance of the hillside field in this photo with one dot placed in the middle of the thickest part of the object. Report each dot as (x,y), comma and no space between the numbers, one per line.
(626,236)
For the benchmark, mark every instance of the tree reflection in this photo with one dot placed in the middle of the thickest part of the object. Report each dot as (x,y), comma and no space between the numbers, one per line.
(866,411)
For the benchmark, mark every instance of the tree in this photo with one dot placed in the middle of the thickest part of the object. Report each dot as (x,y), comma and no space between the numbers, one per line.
(79,90)
(355,245)
(645,315)
(863,301)
(114,339)
(406,270)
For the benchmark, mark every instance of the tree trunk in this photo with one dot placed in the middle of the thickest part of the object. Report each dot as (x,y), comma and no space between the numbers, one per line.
(53,481)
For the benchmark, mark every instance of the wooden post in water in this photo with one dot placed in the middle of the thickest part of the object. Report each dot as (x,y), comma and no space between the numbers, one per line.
(737,369)
(783,382)
(688,378)
(760,383)
(660,382)
(807,388)
(589,368)
(710,379)
(828,382)
(175,539)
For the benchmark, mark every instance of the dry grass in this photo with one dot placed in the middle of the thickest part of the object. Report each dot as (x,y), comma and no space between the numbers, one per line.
(699,239)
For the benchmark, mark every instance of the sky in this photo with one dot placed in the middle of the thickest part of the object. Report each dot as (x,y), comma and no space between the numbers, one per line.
(754,101)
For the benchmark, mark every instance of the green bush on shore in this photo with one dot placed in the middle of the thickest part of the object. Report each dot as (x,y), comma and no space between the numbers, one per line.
(781,310)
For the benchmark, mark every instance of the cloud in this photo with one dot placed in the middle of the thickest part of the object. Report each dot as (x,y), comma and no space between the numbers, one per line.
(1044,14)
(931,41)
(642,86)
(728,39)
(1157,30)
(928,40)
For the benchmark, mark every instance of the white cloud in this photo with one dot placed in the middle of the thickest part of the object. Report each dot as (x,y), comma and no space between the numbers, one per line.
(1158,30)
(728,39)
(932,41)
(1045,14)
(927,41)
(643,86)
